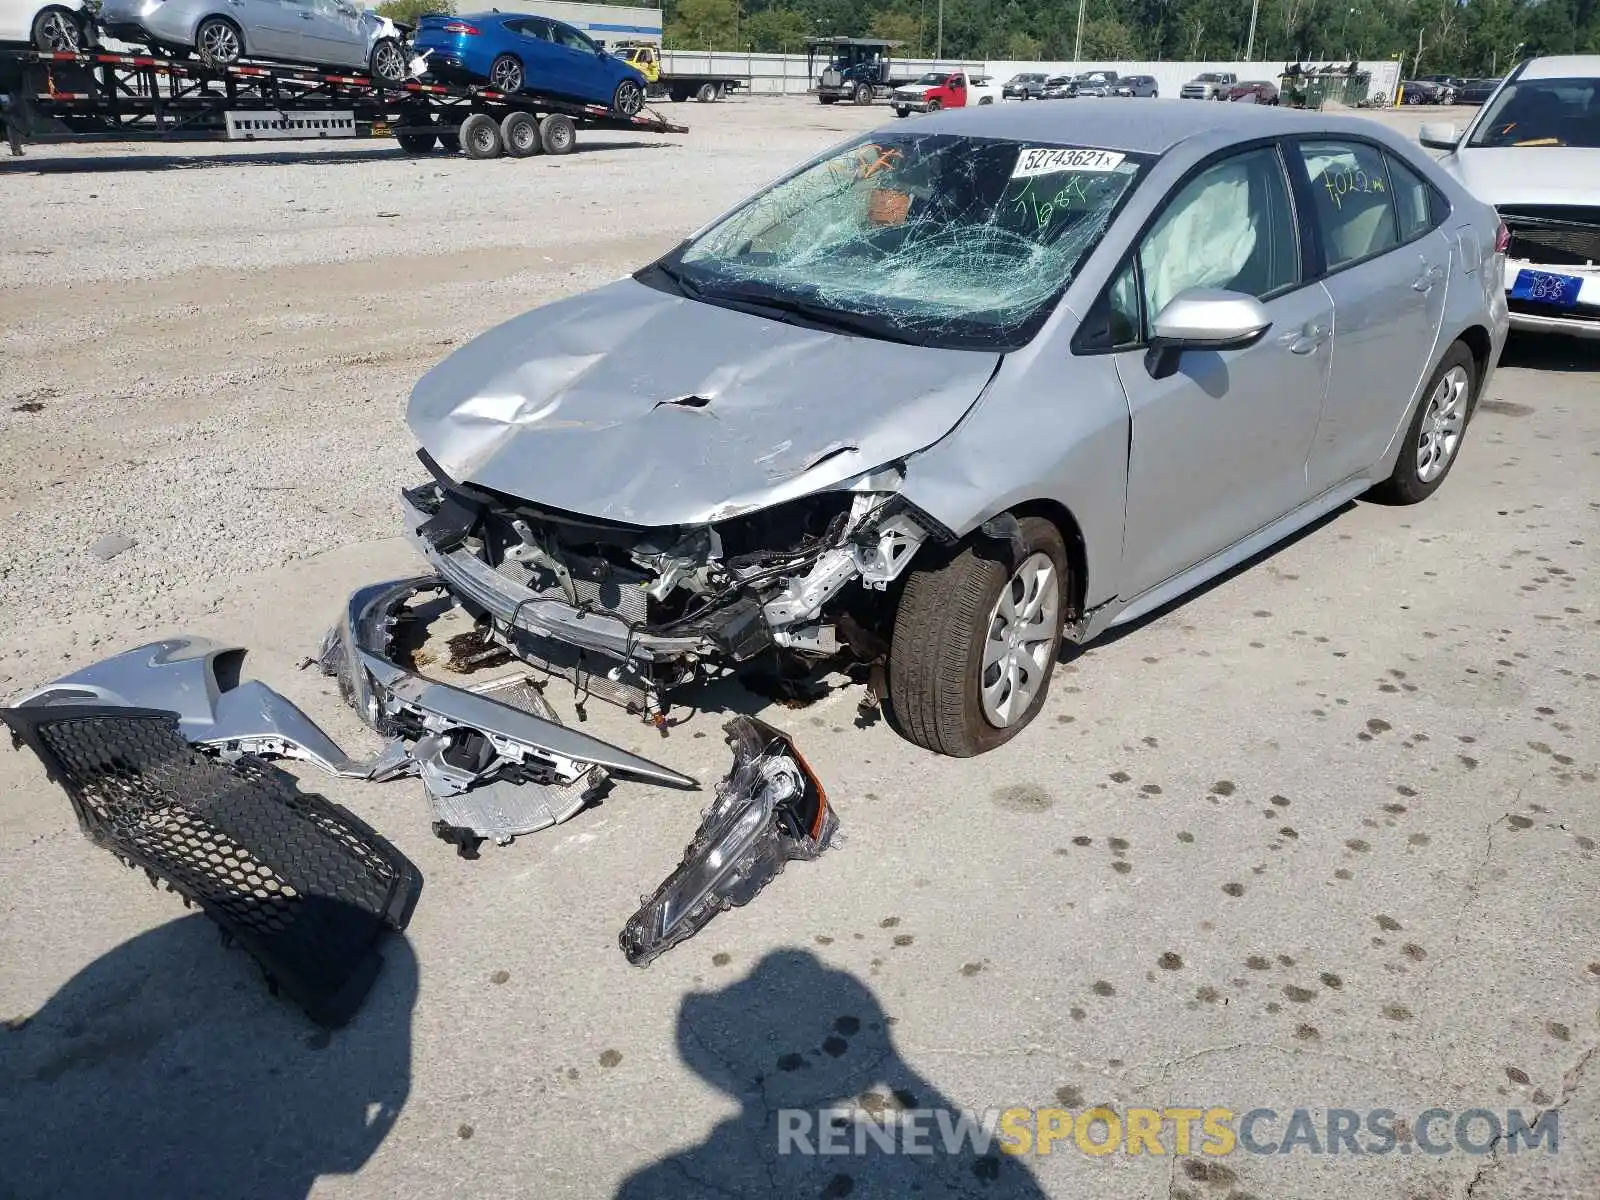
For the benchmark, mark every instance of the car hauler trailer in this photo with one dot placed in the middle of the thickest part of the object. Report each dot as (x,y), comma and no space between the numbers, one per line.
(50,96)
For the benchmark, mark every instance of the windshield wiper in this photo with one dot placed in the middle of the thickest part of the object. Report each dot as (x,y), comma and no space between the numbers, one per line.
(778,307)
(676,278)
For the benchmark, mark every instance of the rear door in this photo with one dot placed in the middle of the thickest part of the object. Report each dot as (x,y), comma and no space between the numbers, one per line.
(1219,448)
(1388,267)
(533,40)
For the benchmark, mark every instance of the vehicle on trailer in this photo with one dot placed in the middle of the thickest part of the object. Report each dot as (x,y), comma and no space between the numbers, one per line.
(1533,152)
(45,26)
(102,96)
(860,70)
(321,33)
(675,85)
(1094,83)
(517,52)
(1059,87)
(1141,87)
(1208,85)
(1101,363)
(1477,91)
(1029,85)
(944,89)
(1253,91)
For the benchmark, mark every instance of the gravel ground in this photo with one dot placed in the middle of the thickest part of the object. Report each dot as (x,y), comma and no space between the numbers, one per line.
(1322,836)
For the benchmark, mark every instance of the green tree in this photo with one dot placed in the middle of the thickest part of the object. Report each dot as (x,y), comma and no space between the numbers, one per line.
(894,25)
(702,24)
(775,31)
(409,12)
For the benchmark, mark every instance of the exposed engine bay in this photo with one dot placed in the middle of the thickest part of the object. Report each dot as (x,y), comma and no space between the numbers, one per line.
(630,613)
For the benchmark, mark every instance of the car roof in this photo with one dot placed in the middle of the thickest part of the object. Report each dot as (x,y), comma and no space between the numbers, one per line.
(1138,128)
(1562,66)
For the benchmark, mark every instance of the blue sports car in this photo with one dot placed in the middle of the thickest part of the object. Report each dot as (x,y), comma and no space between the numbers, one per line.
(515,52)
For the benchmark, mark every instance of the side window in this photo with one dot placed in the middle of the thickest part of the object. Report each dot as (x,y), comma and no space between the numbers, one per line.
(573,40)
(1351,195)
(534,27)
(1231,226)
(1414,200)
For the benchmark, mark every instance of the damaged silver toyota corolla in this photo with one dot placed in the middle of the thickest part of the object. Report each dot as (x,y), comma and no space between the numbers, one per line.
(942,396)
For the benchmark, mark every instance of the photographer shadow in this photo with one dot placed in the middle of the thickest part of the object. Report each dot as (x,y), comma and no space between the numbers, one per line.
(789,1042)
(165,1068)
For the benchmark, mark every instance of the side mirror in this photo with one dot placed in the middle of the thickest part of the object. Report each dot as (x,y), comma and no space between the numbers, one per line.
(1203,319)
(1439,135)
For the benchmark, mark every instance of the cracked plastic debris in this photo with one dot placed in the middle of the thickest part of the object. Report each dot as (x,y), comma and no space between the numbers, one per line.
(494,760)
(770,809)
(198,679)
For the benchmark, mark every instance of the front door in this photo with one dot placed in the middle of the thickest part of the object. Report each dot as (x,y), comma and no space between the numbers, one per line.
(1388,268)
(1219,448)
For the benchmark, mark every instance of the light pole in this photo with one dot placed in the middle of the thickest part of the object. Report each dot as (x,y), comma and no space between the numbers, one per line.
(938,38)
(1250,42)
(1077,43)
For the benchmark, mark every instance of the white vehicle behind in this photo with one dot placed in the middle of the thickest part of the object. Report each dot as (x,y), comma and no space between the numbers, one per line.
(44,26)
(1533,151)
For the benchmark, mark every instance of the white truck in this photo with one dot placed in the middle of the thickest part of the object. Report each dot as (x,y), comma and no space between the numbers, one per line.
(1209,85)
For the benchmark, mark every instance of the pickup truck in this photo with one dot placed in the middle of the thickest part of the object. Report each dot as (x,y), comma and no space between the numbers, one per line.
(674,85)
(1211,85)
(943,89)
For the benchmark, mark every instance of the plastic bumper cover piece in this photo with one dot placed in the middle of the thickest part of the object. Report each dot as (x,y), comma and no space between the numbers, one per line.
(304,886)
(769,810)
(491,768)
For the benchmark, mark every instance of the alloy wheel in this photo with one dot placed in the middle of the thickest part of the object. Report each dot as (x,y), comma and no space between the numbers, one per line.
(1442,423)
(59,33)
(505,74)
(219,43)
(629,98)
(1021,632)
(388,63)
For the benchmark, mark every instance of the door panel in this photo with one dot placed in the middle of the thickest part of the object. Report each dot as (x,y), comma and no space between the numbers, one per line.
(271,27)
(336,26)
(1219,448)
(1388,299)
(543,63)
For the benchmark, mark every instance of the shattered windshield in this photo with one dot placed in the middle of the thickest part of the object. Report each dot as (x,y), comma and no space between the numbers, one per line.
(933,239)
(1543,112)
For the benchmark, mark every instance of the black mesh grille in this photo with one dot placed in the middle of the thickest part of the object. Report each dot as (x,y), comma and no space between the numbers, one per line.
(305,886)
(1555,235)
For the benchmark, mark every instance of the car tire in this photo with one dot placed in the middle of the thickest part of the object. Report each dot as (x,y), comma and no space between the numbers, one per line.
(218,42)
(1434,436)
(826,99)
(57,31)
(450,140)
(862,94)
(944,622)
(480,136)
(935,105)
(506,74)
(1413,97)
(519,134)
(707,93)
(677,95)
(628,99)
(557,134)
(387,62)
(902,112)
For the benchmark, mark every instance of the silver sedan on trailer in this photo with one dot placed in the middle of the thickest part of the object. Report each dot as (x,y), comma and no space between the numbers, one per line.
(323,33)
(946,395)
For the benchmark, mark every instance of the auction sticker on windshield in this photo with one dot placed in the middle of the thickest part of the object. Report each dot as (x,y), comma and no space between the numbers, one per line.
(1047,160)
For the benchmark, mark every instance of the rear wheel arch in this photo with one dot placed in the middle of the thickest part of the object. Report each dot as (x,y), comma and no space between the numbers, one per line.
(1476,339)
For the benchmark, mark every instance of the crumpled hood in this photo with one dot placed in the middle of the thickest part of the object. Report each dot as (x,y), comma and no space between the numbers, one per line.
(1528,174)
(636,406)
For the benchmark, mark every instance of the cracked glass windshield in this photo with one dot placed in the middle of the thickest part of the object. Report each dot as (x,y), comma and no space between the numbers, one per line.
(932,239)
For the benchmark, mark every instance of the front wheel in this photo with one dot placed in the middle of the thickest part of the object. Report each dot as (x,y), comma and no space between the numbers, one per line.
(1434,437)
(628,99)
(902,112)
(934,106)
(387,62)
(707,93)
(975,639)
(863,94)
(505,74)
(56,30)
(219,42)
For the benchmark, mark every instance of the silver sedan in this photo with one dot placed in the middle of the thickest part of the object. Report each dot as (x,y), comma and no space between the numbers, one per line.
(948,395)
(324,33)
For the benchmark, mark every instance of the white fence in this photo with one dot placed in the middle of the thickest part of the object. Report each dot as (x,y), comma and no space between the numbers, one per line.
(785,74)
